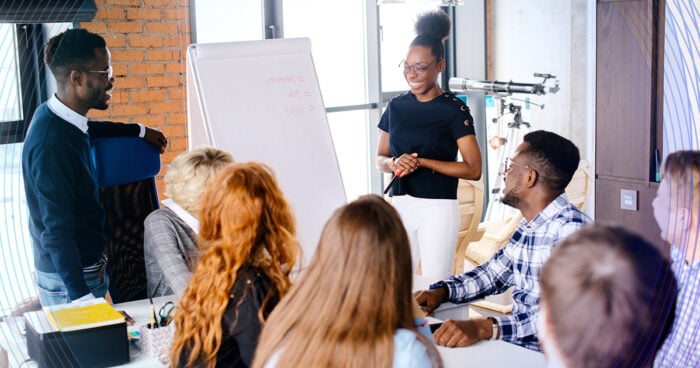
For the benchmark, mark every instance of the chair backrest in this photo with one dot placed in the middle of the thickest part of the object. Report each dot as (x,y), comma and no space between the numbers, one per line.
(122,160)
(578,189)
(126,169)
(470,196)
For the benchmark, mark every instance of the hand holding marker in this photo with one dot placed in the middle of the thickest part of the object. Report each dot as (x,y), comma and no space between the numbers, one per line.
(393,179)
(398,175)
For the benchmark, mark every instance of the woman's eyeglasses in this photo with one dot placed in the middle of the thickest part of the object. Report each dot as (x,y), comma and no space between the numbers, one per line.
(418,68)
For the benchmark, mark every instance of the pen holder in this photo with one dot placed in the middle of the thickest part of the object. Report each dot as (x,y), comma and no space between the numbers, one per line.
(156,342)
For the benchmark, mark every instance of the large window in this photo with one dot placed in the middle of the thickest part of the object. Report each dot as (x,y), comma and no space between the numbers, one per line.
(15,251)
(23,86)
(397,31)
(19,86)
(347,38)
(15,255)
(342,76)
(338,45)
(226,20)
(10,106)
(16,259)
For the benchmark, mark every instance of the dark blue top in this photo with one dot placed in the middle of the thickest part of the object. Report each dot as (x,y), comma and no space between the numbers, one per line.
(431,129)
(65,216)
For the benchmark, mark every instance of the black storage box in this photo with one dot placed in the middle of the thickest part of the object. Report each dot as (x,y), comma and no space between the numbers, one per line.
(96,347)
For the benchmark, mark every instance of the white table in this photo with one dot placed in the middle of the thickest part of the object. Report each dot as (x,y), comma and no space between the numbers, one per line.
(140,311)
(446,310)
(496,354)
(13,341)
(492,354)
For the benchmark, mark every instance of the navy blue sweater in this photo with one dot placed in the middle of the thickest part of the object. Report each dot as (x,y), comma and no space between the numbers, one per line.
(65,216)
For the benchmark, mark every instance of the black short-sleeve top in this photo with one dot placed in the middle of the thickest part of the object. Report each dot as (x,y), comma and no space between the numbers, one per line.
(430,129)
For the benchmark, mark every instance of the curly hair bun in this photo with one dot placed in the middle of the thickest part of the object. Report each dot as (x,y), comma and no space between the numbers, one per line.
(435,24)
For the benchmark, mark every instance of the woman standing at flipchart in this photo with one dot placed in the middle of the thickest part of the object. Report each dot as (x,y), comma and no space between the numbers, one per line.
(421,132)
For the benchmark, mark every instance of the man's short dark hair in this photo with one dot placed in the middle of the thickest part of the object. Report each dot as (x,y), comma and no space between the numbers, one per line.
(71,50)
(554,157)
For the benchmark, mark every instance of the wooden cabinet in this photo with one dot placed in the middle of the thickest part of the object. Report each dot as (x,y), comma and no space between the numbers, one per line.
(629,98)
(607,193)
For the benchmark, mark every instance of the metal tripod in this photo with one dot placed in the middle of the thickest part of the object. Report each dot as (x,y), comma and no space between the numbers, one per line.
(516,129)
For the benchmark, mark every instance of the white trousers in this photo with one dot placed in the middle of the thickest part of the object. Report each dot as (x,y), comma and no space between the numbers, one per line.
(432,226)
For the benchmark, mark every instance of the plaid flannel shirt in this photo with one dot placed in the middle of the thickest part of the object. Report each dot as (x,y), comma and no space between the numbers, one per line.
(519,264)
(682,345)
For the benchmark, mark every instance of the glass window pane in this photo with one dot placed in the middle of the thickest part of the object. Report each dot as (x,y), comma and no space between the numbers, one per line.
(10,103)
(351,141)
(396,22)
(337,33)
(227,21)
(16,259)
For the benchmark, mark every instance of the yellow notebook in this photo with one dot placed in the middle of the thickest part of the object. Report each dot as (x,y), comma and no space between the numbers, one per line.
(83,315)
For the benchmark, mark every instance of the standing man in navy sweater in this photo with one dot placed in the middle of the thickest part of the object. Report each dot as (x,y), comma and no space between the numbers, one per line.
(66,218)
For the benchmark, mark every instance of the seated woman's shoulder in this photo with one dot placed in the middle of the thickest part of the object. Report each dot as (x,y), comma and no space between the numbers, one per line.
(159,215)
(409,351)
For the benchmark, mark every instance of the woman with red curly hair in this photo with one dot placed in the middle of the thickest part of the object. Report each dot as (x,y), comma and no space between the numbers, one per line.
(247,238)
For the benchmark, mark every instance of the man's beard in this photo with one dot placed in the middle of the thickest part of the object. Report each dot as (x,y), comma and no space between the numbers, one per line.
(98,97)
(511,199)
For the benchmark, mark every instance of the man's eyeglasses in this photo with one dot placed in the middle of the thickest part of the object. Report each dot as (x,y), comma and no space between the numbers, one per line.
(419,69)
(107,73)
(510,163)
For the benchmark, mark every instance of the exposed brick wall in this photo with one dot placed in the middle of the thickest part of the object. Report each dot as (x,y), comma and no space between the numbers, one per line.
(148,41)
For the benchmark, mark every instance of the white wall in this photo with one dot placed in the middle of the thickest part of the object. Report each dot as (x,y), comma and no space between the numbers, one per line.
(544,36)
(548,36)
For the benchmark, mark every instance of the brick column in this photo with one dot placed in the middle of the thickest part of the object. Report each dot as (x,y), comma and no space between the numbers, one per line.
(148,41)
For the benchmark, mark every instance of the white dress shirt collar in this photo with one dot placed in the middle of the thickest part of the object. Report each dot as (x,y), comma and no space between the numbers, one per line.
(67,114)
(190,220)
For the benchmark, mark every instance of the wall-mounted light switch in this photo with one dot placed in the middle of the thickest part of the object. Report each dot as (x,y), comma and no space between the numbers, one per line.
(628,199)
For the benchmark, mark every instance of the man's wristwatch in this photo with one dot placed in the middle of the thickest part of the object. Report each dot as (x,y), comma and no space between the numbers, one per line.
(494,325)
(438,285)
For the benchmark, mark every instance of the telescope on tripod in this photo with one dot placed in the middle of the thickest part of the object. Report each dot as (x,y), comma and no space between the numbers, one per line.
(506,137)
(463,84)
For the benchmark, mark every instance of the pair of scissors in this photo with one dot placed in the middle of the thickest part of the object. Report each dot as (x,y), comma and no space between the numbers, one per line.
(166,314)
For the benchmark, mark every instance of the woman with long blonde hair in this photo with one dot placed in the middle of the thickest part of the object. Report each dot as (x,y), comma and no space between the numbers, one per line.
(353,307)
(247,237)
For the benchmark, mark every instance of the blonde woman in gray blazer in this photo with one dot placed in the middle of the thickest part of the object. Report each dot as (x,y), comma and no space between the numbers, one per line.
(170,247)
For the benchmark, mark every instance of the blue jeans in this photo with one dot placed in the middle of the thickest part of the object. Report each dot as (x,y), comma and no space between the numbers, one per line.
(52,290)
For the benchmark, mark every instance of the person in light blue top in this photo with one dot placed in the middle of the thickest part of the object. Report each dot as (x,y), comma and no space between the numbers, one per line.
(353,306)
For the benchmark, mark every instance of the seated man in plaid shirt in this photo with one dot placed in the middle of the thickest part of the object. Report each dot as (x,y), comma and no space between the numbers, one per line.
(535,179)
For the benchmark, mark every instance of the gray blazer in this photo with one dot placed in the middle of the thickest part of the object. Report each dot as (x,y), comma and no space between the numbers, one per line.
(170,252)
